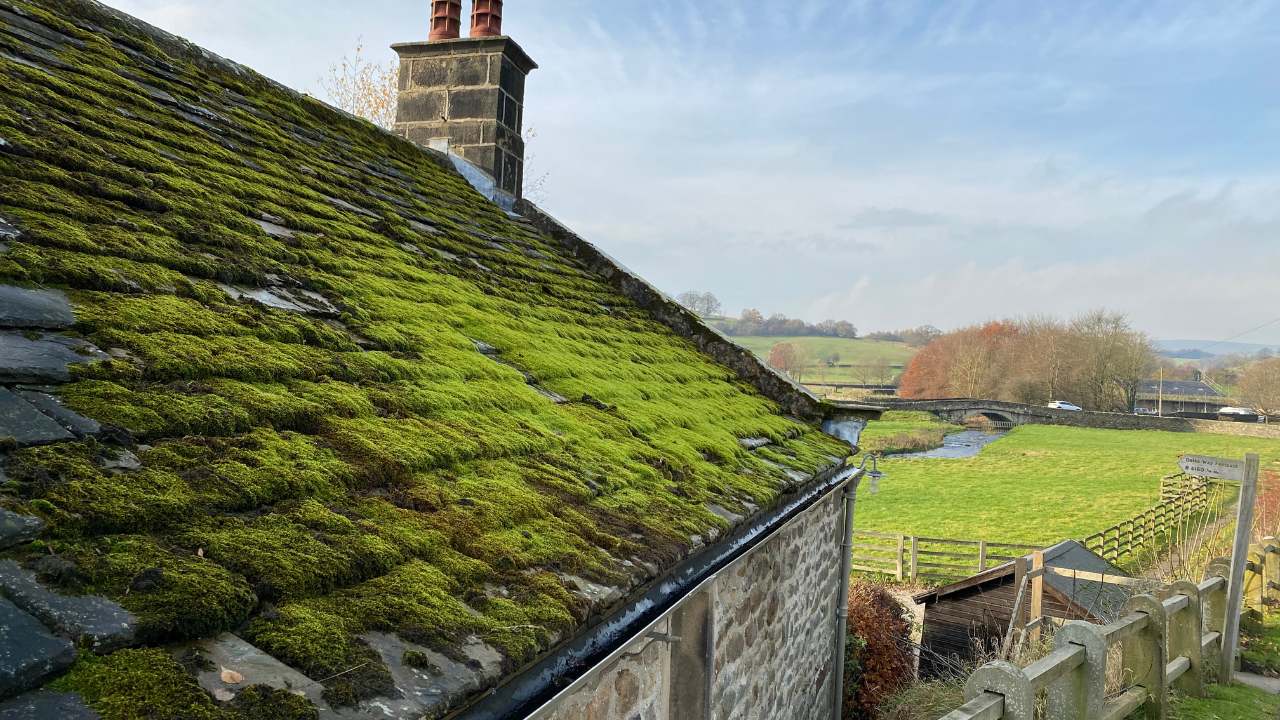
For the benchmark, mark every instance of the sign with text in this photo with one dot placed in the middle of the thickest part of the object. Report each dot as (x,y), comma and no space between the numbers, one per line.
(1212,467)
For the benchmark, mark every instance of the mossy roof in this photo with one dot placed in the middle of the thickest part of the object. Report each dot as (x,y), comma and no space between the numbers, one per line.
(430,419)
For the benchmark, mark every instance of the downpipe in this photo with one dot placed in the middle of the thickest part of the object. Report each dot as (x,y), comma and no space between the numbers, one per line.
(849,498)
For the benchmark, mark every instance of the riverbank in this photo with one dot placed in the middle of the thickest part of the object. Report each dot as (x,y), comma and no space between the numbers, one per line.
(904,431)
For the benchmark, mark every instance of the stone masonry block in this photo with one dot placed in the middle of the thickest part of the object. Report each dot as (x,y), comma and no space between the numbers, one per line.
(473,103)
(469,71)
(422,106)
(429,73)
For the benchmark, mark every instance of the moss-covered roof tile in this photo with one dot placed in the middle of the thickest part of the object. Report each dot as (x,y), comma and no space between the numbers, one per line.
(363,399)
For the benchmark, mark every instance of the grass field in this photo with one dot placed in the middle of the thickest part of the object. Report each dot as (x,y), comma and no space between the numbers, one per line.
(851,351)
(1039,485)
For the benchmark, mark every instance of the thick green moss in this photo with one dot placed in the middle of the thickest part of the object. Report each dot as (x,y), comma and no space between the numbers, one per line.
(367,470)
(139,685)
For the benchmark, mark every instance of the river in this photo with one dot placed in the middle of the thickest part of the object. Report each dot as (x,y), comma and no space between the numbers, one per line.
(963,444)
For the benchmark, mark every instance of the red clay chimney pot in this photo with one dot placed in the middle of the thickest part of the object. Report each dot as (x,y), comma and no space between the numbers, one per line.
(486,18)
(446,20)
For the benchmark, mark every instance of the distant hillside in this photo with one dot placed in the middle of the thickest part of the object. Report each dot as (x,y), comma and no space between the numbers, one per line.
(1180,348)
(861,361)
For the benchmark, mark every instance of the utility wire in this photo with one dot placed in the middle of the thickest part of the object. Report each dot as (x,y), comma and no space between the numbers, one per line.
(1266,324)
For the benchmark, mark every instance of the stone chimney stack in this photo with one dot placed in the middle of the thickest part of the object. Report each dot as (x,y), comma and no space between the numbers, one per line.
(466,95)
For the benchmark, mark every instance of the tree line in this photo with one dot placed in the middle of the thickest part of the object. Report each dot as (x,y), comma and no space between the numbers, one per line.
(1096,360)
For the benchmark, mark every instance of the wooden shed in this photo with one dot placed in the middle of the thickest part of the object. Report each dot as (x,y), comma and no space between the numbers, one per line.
(972,615)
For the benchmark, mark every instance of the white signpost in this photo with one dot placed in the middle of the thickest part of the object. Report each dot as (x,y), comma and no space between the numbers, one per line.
(1212,467)
(1246,473)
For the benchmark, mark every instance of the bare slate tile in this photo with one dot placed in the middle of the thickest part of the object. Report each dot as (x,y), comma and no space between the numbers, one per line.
(29,653)
(43,360)
(94,621)
(51,406)
(29,308)
(17,529)
(21,421)
(251,664)
(47,705)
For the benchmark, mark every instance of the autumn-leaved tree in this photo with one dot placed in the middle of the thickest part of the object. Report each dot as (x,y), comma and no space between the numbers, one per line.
(1260,386)
(1097,360)
(784,357)
(364,87)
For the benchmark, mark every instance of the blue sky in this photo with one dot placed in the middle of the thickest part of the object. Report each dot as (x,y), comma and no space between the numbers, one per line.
(890,163)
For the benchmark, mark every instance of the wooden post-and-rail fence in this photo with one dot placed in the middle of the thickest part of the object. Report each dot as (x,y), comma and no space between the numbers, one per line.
(916,558)
(1172,640)
(1180,504)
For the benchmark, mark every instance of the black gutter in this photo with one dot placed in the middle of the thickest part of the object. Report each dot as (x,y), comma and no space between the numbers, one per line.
(531,689)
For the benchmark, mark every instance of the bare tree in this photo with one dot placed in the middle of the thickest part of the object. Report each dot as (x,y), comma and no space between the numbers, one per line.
(703,303)
(1260,386)
(363,87)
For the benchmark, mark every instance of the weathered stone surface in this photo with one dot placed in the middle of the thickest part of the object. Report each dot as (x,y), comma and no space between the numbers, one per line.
(636,685)
(78,424)
(17,529)
(29,653)
(29,308)
(773,623)
(21,421)
(96,622)
(598,595)
(44,360)
(754,443)
(253,665)
(47,705)
(7,230)
(424,694)
(280,298)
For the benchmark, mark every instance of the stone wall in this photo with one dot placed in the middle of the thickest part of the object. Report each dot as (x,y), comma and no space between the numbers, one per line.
(775,621)
(765,625)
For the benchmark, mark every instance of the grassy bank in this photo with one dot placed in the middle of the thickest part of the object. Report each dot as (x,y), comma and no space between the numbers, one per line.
(1040,484)
(904,431)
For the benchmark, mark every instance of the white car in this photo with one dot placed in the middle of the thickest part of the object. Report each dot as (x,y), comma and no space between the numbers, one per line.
(1237,411)
(1064,405)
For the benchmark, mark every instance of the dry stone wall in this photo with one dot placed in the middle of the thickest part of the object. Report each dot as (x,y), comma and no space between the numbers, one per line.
(770,633)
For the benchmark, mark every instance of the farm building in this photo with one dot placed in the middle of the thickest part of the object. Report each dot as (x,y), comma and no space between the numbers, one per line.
(301,419)
(973,614)
(1171,397)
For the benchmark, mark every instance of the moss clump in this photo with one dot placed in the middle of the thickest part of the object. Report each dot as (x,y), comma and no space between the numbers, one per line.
(175,593)
(419,661)
(259,702)
(139,685)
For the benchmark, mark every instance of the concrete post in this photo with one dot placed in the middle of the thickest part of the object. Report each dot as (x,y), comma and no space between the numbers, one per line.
(1080,695)
(1184,633)
(1005,679)
(1145,656)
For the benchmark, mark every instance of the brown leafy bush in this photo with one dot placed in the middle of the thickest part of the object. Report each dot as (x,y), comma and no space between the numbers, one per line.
(878,659)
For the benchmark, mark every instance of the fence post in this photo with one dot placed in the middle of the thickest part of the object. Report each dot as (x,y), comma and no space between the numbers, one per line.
(902,542)
(1081,694)
(1271,561)
(1184,635)
(1145,656)
(982,555)
(1006,679)
(915,558)
(1021,585)
(1239,556)
(1037,593)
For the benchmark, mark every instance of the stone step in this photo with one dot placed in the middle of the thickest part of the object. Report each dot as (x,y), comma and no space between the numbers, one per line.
(29,653)
(47,705)
(96,622)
